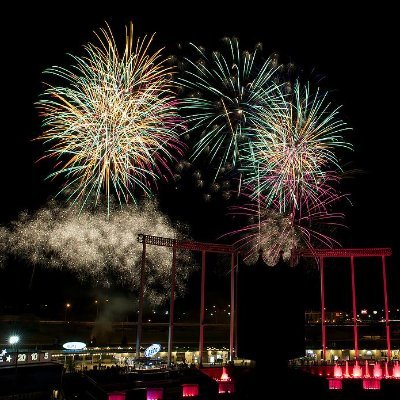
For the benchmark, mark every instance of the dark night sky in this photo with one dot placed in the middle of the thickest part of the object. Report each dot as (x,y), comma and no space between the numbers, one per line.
(352,49)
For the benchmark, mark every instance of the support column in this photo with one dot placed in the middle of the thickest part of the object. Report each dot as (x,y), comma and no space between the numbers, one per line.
(353,294)
(385,294)
(202,306)
(141,296)
(323,326)
(236,302)
(232,319)
(172,306)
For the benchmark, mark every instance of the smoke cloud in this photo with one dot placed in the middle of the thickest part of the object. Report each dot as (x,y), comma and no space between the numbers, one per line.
(102,248)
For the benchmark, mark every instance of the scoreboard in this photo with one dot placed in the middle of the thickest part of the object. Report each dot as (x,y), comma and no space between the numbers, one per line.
(22,358)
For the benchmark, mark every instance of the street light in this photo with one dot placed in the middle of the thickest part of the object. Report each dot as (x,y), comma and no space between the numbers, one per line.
(14,340)
(67,307)
(97,308)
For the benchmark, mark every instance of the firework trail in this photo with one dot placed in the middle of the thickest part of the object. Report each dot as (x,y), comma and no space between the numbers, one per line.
(113,125)
(293,161)
(225,92)
(101,249)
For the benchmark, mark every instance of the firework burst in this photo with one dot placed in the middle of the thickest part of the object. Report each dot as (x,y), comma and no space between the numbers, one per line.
(265,227)
(113,126)
(224,92)
(293,161)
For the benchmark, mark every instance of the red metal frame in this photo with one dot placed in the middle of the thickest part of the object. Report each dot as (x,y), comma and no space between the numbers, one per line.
(345,253)
(186,244)
(386,307)
(323,325)
(320,255)
(354,301)
(232,310)
(172,306)
(204,248)
(141,298)
(202,305)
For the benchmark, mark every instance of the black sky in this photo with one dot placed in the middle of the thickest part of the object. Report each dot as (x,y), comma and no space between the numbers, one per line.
(353,49)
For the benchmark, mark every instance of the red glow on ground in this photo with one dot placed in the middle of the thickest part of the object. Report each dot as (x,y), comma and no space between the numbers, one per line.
(371,384)
(335,384)
(155,394)
(117,396)
(217,373)
(226,387)
(396,370)
(224,375)
(221,375)
(190,390)
(366,375)
(337,371)
(387,375)
(377,371)
(357,370)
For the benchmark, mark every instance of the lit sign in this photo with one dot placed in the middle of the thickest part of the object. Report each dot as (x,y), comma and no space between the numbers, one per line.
(23,358)
(152,350)
(74,345)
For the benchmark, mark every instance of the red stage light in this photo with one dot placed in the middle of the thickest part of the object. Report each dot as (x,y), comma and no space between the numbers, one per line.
(155,394)
(190,390)
(335,384)
(371,384)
